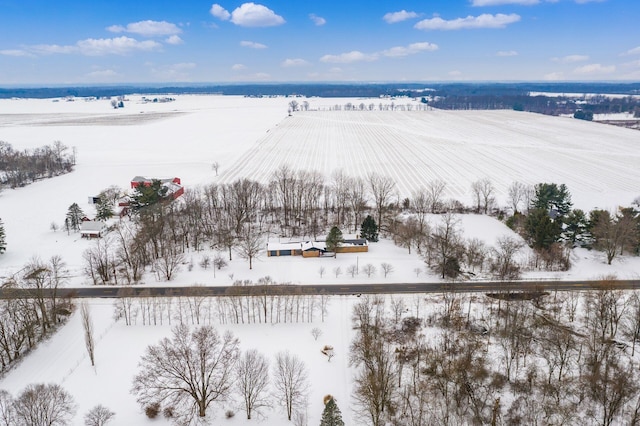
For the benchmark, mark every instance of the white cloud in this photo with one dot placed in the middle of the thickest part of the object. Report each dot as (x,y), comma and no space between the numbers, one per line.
(318,20)
(411,49)
(455,73)
(589,1)
(255,15)
(54,48)
(183,66)
(634,51)
(507,53)
(147,28)
(174,39)
(115,46)
(99,47)
(102,74)
(238,67)
(485,20)
(554,76)
(261,76)
(174,72)
(15,52)
(595,69)
(570,59)
(287,63)
(219,12)
(335,70)
(394,52)
(501,2)
(403,15)
(253,45)
(349,57)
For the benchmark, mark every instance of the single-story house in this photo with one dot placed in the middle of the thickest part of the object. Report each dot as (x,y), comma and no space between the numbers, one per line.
(315,248)
(284,249)
(92,229)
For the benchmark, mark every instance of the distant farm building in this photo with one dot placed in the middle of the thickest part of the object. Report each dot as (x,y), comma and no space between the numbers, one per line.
(92,229)
(315,248)
(173,185)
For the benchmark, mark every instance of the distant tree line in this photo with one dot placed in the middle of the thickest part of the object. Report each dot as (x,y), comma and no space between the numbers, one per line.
(549,105)
(328,90)
(20,168)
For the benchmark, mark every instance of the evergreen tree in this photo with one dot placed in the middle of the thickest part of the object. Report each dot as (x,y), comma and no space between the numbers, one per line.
(550,196)
(577,228)
(3,241)
(74,217)
(331,416)
(334,239)
(369,229)
(148,195)
(541,230)
(104,210)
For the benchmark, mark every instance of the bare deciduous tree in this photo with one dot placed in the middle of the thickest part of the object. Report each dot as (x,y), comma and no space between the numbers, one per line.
(44,405)
(188,372)
(435,190)
(381,188)
(87,325)
(250,244)
(517,193)
(252,373)
(369,269)
(483,191)
(316,332)
(504,265)
(7,411)
(98,416)
(290,379)
(387,268)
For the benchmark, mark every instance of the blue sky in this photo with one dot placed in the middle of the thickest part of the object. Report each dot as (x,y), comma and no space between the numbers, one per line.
(158,41)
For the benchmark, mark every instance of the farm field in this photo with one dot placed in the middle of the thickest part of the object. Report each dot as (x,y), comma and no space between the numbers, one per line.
(598,163)
(251,138)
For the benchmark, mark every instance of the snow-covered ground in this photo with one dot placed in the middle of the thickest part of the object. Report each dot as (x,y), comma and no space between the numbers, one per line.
(251,138)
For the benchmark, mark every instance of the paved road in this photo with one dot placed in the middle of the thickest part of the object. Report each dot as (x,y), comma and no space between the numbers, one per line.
(334,289)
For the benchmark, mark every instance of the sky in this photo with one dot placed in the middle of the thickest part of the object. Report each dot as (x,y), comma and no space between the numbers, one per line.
(192,41)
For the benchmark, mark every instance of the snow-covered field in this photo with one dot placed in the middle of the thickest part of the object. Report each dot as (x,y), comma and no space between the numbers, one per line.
(251,138)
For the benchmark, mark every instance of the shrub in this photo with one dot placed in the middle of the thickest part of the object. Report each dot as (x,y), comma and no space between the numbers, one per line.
(152,410)
(168,412)
(229,414)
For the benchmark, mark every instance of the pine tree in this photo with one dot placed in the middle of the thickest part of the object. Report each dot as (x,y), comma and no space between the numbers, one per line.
(369,229)
(74,217)
(334,239)
(104,210)
(331,416)
(3,241)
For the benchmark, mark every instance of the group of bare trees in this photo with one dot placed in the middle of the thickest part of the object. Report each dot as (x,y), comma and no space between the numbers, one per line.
(20,168)
(507,358)
(447,253)
(26,321)
(46,405)
(196,368)
(232,217)
(239,216)
(244,303)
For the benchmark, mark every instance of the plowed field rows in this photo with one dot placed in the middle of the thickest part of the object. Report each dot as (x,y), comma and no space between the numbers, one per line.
(415,147)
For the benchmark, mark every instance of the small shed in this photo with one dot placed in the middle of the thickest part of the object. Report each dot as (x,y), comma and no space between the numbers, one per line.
(92,229)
